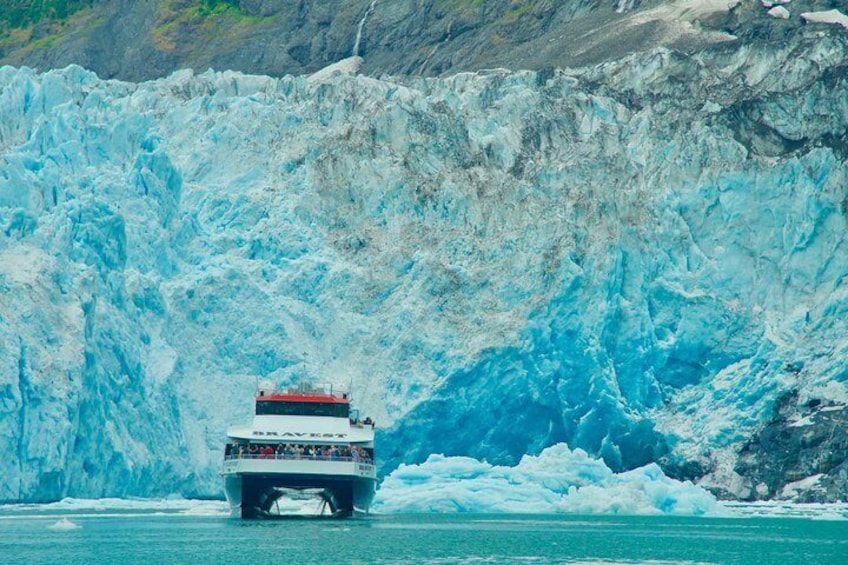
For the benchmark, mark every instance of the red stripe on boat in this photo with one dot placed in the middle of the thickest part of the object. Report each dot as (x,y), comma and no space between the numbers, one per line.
(317,398)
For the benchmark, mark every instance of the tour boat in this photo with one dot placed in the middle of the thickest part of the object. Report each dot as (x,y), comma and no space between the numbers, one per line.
(303,442)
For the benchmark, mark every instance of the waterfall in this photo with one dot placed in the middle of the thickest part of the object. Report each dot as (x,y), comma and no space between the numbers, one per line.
(624,5)
(362,25)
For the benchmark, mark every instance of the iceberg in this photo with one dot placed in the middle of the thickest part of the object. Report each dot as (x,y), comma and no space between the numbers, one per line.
(558,480)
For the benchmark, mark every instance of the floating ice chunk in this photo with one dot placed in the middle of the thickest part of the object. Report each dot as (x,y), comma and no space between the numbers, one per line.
(779,509)
(779,12)
(558,480)
(826,17)
(94,506)
(64,525)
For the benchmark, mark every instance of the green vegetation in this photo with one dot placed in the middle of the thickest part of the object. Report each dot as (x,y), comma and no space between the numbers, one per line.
(515,7)
(516,11)
(461,5)
(210,7)
(15,14)
(176,20)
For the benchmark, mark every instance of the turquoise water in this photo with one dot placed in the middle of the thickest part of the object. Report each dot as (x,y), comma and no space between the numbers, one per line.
(147,537)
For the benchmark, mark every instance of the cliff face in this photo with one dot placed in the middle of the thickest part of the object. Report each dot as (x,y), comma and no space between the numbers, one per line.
(136,41)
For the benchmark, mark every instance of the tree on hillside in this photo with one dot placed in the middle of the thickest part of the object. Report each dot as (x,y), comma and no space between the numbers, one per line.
(21,13)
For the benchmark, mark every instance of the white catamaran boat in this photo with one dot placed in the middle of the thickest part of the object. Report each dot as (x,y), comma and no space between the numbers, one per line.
(302,442)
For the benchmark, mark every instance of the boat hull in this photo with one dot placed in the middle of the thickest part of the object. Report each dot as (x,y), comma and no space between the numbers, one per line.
(253,496)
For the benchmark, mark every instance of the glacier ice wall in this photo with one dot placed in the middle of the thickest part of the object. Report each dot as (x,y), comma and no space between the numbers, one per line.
(641,260)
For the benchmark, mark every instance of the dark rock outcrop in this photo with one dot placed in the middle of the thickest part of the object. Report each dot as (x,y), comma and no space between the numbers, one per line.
(802,455)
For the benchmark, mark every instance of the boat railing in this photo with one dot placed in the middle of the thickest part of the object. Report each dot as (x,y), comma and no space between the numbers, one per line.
(304,389)
(297,457)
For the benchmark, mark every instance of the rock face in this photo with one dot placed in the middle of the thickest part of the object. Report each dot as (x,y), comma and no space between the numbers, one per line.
(644,259)
(800,455)
(133,40)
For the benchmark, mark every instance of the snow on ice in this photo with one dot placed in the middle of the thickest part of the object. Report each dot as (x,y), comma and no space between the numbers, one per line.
(826,17)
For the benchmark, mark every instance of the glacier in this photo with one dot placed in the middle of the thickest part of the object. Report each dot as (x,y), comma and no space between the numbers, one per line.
(645,260)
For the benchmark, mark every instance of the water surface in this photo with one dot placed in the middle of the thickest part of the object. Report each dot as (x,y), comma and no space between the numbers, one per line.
(146,536)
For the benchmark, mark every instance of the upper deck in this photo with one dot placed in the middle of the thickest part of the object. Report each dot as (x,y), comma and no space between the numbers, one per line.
(315,414)
(305,400)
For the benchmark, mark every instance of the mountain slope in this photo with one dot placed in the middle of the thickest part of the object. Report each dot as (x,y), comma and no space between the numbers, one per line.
(136,41)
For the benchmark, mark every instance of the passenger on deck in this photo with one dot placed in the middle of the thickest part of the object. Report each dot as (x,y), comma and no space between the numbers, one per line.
(268,451)
(253,450)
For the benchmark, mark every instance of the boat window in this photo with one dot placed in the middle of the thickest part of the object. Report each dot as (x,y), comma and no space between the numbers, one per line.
(267,407)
